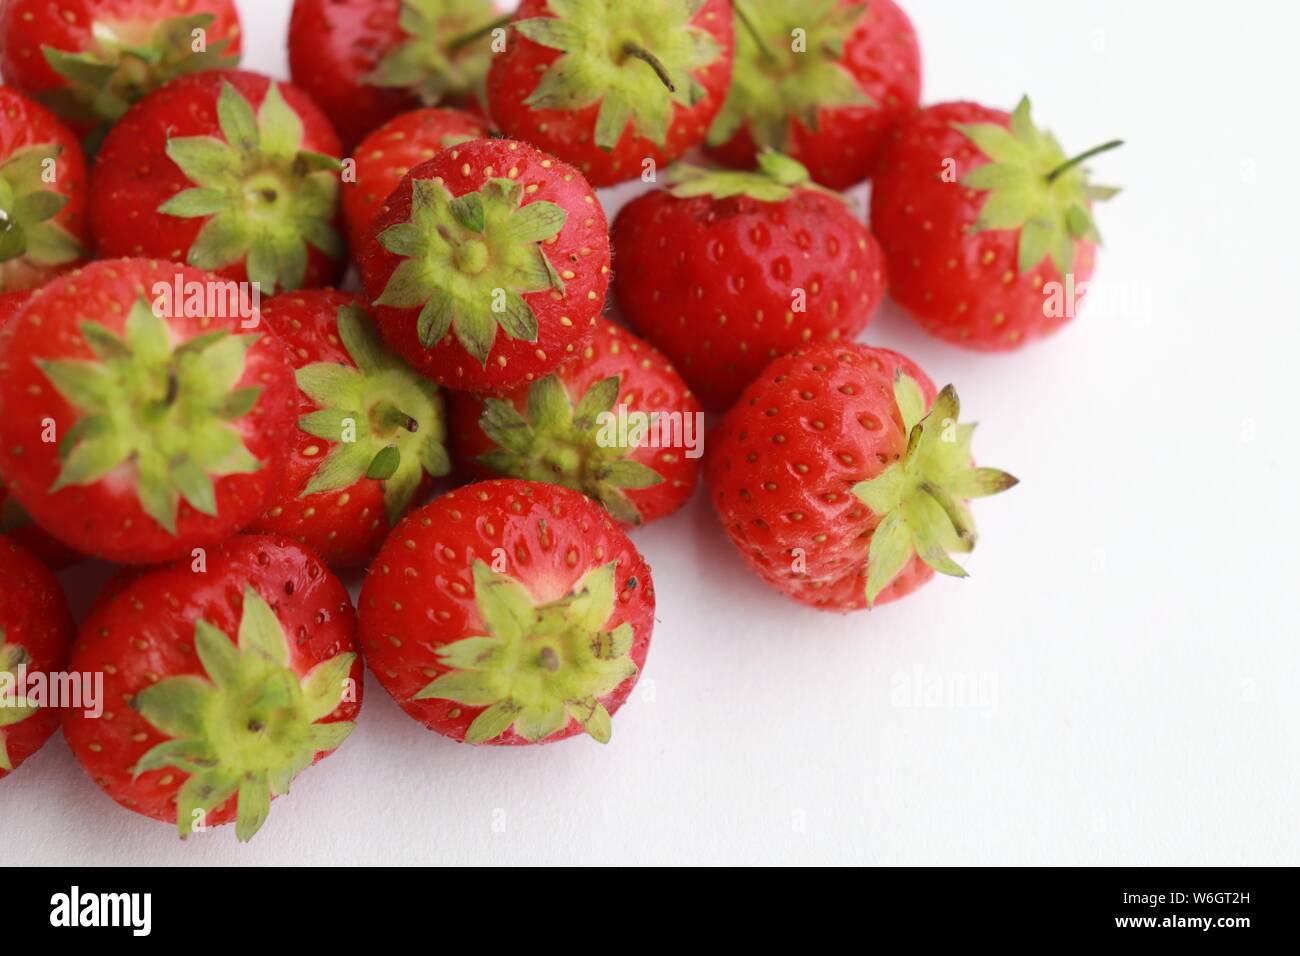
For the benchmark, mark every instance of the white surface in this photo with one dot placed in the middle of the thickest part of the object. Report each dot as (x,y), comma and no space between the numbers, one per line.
(1131,613)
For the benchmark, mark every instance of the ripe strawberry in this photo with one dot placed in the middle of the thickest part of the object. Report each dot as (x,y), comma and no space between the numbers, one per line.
(842,478)
(365,61)
(15,522)
(89,60)
(248,195)
(370,431)
(221,683)
(152,428)
(36,632)
(493,233)
(508,612)
(392,151)
(824,81)
(563,429)
(725,271)
(42,194)
(608,84)
(986,225)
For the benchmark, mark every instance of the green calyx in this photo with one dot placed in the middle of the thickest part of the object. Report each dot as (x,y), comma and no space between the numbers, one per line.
(169,412)
(558,443)
(446,53)
(538,665)
(128,60)
(248,728)
(467,261)
(265,198)
(27,207)
(788,64)
(776,179)
(1035,188)
(921,498)
(13,708)
(386,422)
(634,57)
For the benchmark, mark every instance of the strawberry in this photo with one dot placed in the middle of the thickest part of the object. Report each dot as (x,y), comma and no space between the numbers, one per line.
(153,428)
(824,81)
(370,431)
(365,61)
(36,631)
(221,683)
(42,195)
(489,237)
(613,86)
(391,151)
(89,60)
(841,477)
(724,271)
(563,429)
(13,520)
(986,225)
(227,171)
(508,612)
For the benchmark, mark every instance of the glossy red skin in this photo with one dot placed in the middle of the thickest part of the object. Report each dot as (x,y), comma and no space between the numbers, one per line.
(28,25)
(420,589)
(581,247)
(390,152)
(711,281)
(106,519)
(30,536)
(649,384)
(776,421)
(143,632)
(962,286)
(570,134)
(333,46)
(344,527)
(24,123)
(884,57)
(34,615)
(133,174)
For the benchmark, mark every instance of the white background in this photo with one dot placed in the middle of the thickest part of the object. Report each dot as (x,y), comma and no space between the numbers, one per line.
(1131,616)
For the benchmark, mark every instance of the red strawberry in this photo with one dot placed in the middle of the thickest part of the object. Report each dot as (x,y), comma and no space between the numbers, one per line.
(89,60)
(392,151)
(842,478)
(489,237)
(36,632)
(824,81)
(370,431)
(156,426)
(42,195)
(365,61)
(986,225)
(13,520)
(725,271)
(227,171)
(508,612)
(564,429)
(608,85)
(221,683)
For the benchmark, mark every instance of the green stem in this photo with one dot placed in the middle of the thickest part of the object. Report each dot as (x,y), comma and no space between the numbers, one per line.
(465,39)
(1083,157)
(748,24)
(641,53)
(390,418)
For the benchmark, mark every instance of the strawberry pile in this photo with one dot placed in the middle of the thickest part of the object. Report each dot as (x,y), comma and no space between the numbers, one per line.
(256,335)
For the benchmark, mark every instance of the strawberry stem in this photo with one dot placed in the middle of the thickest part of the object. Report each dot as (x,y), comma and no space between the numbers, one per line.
(1083,157)
(465,39)
(641,53)
(748,24)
